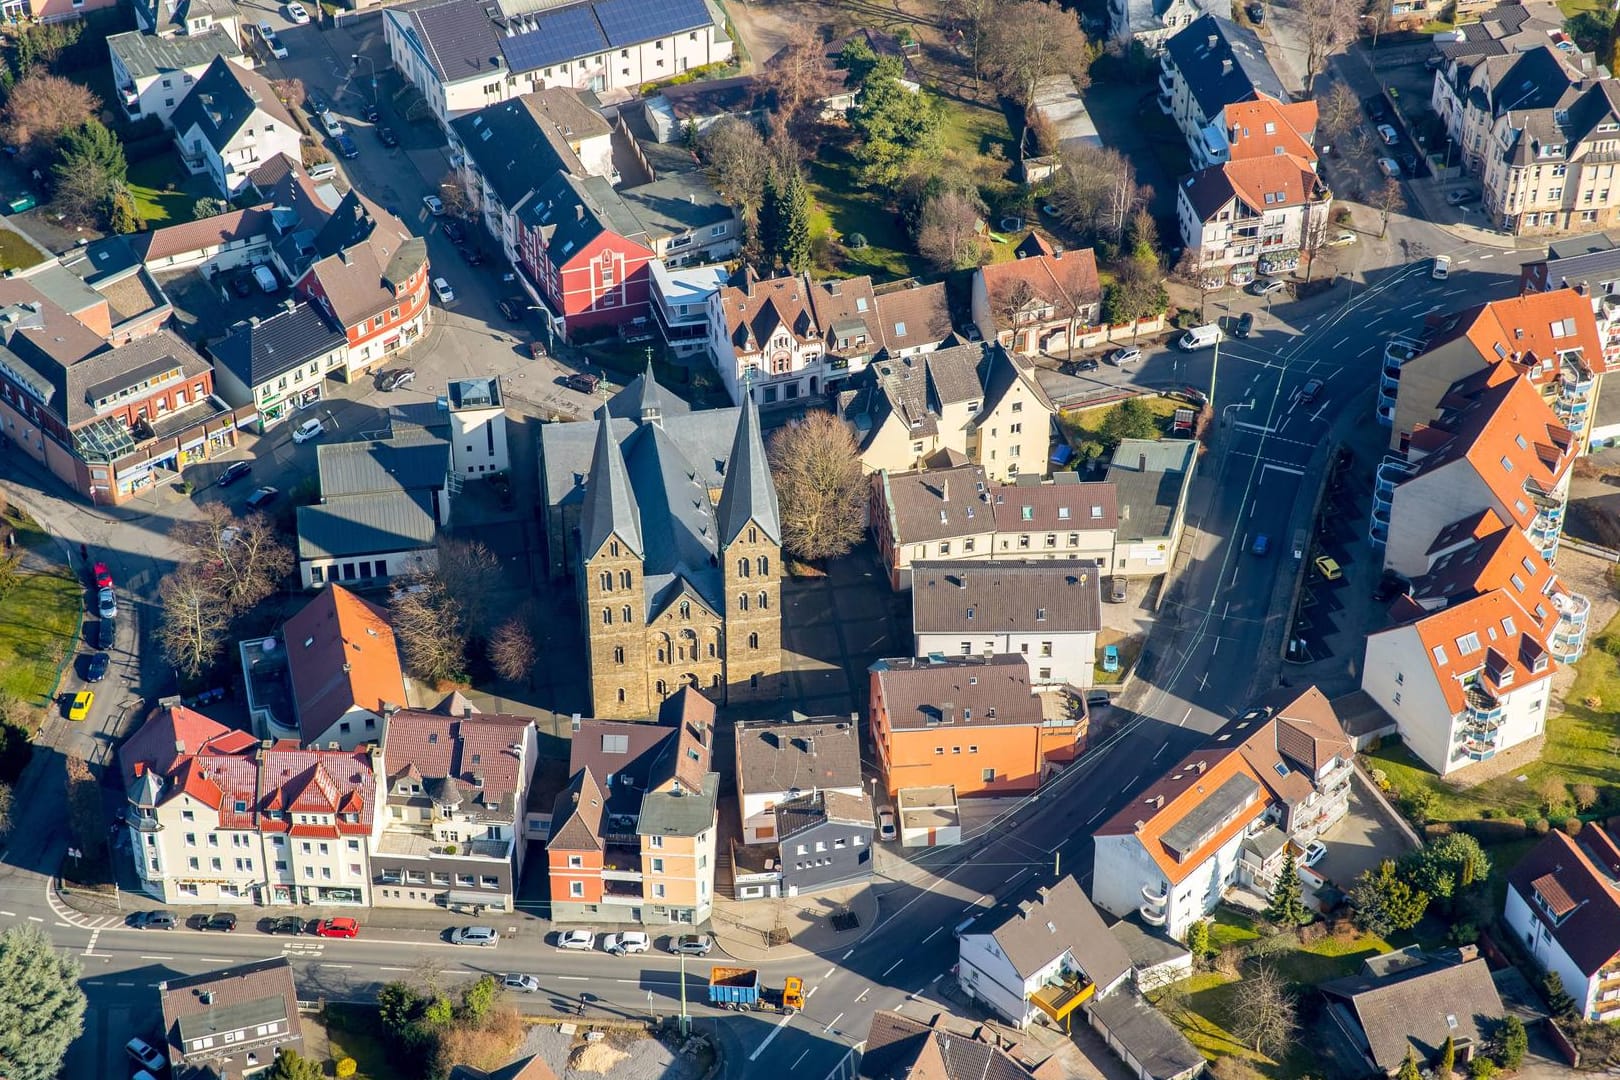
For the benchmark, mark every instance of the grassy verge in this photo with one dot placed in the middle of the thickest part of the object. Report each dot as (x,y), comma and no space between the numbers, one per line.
(1088,423)
(39,619)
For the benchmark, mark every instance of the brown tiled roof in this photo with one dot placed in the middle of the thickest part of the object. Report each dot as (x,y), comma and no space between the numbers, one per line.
(900,1048)
(1178,794)
(1061,918)
(1503,633)
(234,226)
(359,281)
(576,819)
(1558,902)
(1060,595)
(1582,877)
(1054,507)
(915,316)
(808,754)
(245,995)
(341,655)
(965,690)
(439,747)
(1418,1009)
(1066,281)
(937,504)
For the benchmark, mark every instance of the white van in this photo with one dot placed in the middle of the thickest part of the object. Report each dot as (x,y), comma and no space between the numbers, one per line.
(266,278)
(1199,337)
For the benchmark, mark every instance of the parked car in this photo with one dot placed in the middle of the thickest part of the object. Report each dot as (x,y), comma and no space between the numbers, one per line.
(1264,286)
(1390,586)
(885,823)
(387,137)
(523,984)
(1376,107)
(224,922)
(1310,391)
(1110,661)
(1130,354)
(1442,267)
(433,204)
(584,382)
(234,472)
(474,935)
(271,42)
(1388,134)
(82,703)
(330,123)
(691,945)
(1315,852)
(347,147)
(308,430)
(146,1055)
(371,113)
(337,928)
(1245,324)
(1256,13)
(513,307)
(287,924)
(1342,238)
(1261,545)
(107,603)
(1390,168)
(394,380)
(102,575)
(453,231)
(623,944)
(261,498)
(106,633)
(95,668)
(1458,196)
(442,289)
(576,940)
(470,255)
(242,285)
(1435,62)
(1328,567)
(1086,365)
(153,920)
(1116,590)
(297,15)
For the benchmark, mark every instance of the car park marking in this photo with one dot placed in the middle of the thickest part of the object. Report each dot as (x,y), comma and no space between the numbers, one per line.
(157,958)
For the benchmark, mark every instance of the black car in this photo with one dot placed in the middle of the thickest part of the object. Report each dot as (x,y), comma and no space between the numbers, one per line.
(513,307)
(372,114)
(387,137)
(95,668)
(1245,325)
(1310,391)
(393,380)
(1256,13)
(471,255)
(261,498)
(1088,364)
(106,633)
(224,921)
(287,924)
(242,285)
(1376,107)
(453,231)
(234,472)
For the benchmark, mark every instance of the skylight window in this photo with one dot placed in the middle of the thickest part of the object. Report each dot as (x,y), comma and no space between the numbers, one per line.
(1507,626)
(1282,770)
(1468,643)
(1440,655)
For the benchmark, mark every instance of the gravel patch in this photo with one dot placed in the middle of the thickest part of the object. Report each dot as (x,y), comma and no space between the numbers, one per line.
(626,1056)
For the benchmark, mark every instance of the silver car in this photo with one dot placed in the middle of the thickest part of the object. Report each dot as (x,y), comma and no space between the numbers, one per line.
(474,935)
(107,603)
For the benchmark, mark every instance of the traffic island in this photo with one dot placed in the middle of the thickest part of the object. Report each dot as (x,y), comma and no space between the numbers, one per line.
(756,931)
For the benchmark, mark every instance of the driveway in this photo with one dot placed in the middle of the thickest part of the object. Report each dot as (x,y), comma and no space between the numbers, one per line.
(1361,840)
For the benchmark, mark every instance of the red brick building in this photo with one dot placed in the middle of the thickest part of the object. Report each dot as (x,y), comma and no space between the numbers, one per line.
(587,255)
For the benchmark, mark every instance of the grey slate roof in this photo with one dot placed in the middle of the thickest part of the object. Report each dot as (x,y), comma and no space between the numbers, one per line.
(258,351)
(1147,476)
(1160,1049)
(749,493)
(568,451)
(610,506)
(664,813)
(644,397)
(511,148)
(1419,1008)
(457,36)
(794,816)
(1061,596)
(366,525)
(413,460)
(571,211)
(676,204)
(806,754)
(1212,83)
(679,544)
(1061,918)
(147,56)
(921,692)
(224,99)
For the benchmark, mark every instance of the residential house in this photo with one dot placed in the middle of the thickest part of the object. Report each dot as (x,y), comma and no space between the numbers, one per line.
(231,1022)
(152,75)
(109,421)
(1546,170)
(1465,682)
(457,781)
(229,123)
(1210,64)
(1497,446)
(1042,957)
(382,503)
(900,1048)
(633,834)
(971,402)
(1152,480)
(1563,906)
(344,670)
(215,816)
(1150,23)
(686,221)
(1225,816)
(1257,215)
(1050,302)
(914,318)
(824,841)
(682,304)
(1550,337)
(1590,265)
(1046,611)
(1415,1009)
(236,239)
(104,285)
(462,55)
(477,422)
(976,723)
(782,760)
(783,339)
(1473,88)
(529,1067)
(370,276)
(957,513)
(278,364)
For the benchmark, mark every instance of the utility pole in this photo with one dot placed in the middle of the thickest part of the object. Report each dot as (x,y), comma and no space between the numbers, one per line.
(686,1021)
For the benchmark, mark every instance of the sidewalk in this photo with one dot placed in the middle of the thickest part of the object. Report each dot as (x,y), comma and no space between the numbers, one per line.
(742,928)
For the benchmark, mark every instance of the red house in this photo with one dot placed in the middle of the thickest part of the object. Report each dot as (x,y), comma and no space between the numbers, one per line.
(586,255)
(371,276)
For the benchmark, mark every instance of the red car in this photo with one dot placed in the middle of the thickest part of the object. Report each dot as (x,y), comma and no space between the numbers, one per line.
(103,576)
(337,928)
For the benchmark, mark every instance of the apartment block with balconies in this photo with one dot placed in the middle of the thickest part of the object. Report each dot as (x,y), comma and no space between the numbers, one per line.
(1563,906)
(229,123)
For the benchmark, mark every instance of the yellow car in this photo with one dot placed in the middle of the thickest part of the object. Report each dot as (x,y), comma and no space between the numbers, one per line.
(81,704)
(1328,568)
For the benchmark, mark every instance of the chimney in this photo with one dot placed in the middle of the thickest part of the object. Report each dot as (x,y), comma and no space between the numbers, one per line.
(179,746)
(1214,40)
(1226,66)
(574,797)
(945,489)
(1141,462)
(579,211)
(574,722)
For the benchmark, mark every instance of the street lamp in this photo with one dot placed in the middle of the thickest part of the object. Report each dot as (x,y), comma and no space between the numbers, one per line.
(357,57)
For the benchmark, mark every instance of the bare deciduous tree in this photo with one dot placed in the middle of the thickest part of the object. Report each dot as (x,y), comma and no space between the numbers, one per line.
(975,17)
(1338,111)
(798,77)
(820,486)
(948,234)
(41,107)
(738,164)
(456,198)
(472,575)
(1263,1011)
(1386,200)
(291,92)
(1030,40)
(1328,25)
(244,558)
(1198,271)
(511,650)
(195,619)
(1095,191)
(427,618)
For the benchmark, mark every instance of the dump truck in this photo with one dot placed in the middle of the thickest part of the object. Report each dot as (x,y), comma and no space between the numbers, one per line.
(739,989)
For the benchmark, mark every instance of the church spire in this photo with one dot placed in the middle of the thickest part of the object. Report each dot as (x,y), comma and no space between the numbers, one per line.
(610,504)
(749,493)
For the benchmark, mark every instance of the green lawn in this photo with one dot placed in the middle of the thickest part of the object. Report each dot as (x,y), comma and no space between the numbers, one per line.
(157,206)
(1088,423)
(843,207)
(349,1035)
(39,620)
(1572,8)
(17,253)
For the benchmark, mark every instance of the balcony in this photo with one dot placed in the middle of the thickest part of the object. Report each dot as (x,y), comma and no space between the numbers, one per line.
(1151,915)
(1568,639)
(619,892)
(1607,1009)
(1391,473)
(1061,998)
(1156,898)
(1484,712)
(1167,85)
(1166,104)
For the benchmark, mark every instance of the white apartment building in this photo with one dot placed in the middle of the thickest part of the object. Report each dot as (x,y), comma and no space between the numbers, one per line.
(1253,216)
(1048,612)
(217,817)
(1552,170)
(229,124)
(478,444)
(462,55)
(1211,64)
(1563,905)
(782,760)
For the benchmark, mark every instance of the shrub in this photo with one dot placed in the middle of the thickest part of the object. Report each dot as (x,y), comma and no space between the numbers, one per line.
(1380,779)
(855,241)
(1585,795)
(1541,826)
(1572,826)
(347,1068)
(1481,1068)
(1487,812)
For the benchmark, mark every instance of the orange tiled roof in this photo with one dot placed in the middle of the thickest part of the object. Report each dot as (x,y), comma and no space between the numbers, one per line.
(341,655)
(1066,280)
(1492,632)
(1486,555)
(1269,182)
(1266,127)
(1181,791)
(1533,329)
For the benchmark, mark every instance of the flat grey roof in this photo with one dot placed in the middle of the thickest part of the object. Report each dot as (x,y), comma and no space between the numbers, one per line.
(1207,816)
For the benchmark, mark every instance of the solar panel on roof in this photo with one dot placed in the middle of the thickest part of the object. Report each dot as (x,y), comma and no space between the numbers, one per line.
(627,22)
(558,37)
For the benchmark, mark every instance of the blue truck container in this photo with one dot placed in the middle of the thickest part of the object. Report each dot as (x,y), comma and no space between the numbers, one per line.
(734,988)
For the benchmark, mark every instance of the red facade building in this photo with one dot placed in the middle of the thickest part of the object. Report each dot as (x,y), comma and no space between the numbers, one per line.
(587,255)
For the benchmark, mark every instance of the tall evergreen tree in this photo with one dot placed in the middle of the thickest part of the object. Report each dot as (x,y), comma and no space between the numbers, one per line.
(784,220)
(41,1005)
(1409,1067)
(1287,907)
(1448,1059)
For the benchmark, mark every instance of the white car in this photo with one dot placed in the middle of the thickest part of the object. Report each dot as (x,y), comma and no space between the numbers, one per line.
(631,941)
(1388,134)
(271,42)
(145,1054)
(474,935)
(523,984)
(886,829)
(578,940)
(330,123)
(308,430)
(1266,286)
(1130,354)
(442,289)
(297,14)
(434,204)
(1343,238)
(1442,267)
(1315,852)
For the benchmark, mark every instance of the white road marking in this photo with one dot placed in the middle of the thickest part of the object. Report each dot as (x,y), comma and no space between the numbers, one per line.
(157,958)
(1156,754)
(1492,255)
(1097,815)
(1183,719)
(222,960)
(90,947)
(892,966)
(1254,427)
(572,978)
(833,1021)
(800,1058)
(847,955)
(780,1024)
(344,966)
(863,994)
(1131,781)
(1283,468)
(9,914)
(925,940)
(36,918)
(399,969)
